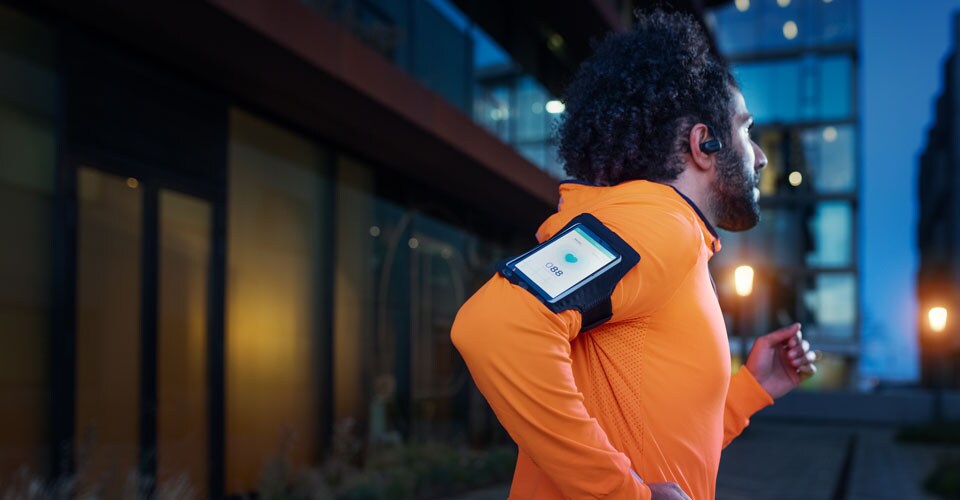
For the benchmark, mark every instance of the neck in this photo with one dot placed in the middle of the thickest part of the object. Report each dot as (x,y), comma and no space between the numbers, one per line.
(697,188)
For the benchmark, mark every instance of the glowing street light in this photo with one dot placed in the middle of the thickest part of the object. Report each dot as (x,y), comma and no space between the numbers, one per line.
(790,30)
(795,178)
(555,107)
(743,280)
(938,319)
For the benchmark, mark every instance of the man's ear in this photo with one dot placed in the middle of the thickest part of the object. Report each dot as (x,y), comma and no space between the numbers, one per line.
(699,134)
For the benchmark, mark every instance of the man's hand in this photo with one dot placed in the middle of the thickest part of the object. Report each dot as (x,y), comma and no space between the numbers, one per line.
(666,491)
(781,360)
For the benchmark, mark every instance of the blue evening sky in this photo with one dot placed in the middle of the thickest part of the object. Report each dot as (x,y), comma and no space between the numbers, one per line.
(903,46)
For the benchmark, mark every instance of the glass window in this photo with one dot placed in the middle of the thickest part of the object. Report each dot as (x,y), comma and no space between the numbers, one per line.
(358,230)
(828,158)
(831,305)
(835,90)
(811,160)
(771,89)
(532,118)
(492,110)
(736,31)
(27,160)
(782,27)
(184,270)
(778,241)
(486,52)
(109,231)
(440,286)
(401,276)
(837,21)
(775,176)
(536,153)
(762,25)
(792,90)
(275,275)
(443,55)
(831,225)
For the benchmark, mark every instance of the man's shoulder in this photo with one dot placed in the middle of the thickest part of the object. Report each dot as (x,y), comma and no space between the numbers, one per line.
(664,228)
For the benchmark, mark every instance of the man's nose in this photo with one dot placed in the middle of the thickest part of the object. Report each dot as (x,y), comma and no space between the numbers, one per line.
(760,157)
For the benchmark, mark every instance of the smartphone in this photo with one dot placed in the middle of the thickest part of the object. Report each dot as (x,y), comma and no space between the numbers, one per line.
(565,263)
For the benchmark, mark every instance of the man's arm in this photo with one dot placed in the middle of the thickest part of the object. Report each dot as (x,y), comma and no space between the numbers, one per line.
(777,364)
(518,353)
(744,398)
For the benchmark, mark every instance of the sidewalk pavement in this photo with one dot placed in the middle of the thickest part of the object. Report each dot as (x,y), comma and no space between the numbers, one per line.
(815,461)
(812,461)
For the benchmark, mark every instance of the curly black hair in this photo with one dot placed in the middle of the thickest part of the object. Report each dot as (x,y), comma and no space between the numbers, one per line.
(631,105)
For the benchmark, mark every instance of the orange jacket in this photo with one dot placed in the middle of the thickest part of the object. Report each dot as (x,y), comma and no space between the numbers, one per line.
(648,391)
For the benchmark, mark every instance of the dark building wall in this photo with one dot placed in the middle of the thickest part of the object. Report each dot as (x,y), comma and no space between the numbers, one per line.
(938,231)
(235,239)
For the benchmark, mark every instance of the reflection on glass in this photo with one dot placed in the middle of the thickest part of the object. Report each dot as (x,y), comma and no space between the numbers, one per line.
(756,26)
(832,305)
(184,265)
(771,175)
(109,230)
(492,110)
(832,227)
(533,123)
(829,153)
(27,158)
(357,232)
(274,282)
(791,90)
(401,277)
(438,288)
(823,156)
(442,55)
(835,90)
(778,241)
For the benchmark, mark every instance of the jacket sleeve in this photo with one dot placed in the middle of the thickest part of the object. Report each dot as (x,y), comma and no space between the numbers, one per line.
(745,397)
(518,353)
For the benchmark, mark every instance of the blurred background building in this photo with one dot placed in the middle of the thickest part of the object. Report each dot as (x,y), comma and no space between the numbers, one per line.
(795,61)
(938,231)
(237,231)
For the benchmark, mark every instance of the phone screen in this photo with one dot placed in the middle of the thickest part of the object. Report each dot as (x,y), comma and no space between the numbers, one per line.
(562,265)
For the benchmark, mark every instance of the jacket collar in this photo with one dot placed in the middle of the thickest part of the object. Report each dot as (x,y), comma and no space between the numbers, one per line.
(710,236)
(580,197)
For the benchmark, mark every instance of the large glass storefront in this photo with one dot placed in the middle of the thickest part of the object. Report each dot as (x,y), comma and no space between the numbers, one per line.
(28,92)
(216,303)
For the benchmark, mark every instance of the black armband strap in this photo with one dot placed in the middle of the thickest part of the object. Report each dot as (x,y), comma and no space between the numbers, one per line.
(591,296)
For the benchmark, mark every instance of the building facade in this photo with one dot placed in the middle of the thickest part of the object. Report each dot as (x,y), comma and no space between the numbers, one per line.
(236,233)
(233,233)
(938,232)
(796,63)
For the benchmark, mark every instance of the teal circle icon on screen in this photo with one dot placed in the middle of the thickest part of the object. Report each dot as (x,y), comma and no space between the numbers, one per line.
(570,258)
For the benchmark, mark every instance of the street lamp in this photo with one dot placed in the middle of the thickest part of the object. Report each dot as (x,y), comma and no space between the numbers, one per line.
(743,282)
(937,318)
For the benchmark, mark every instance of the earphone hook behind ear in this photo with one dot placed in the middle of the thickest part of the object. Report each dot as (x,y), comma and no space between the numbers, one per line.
(712,145)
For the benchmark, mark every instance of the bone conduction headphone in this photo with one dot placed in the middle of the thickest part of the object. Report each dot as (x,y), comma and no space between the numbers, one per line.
(711,146)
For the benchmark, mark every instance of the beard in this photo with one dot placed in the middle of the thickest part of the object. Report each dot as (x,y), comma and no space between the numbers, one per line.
(733,202)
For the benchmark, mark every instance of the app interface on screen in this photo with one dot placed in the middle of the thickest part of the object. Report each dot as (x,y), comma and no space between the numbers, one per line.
(565,262)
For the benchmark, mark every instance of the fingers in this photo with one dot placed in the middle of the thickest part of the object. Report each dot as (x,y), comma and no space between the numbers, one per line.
(782,335)
(799,354)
